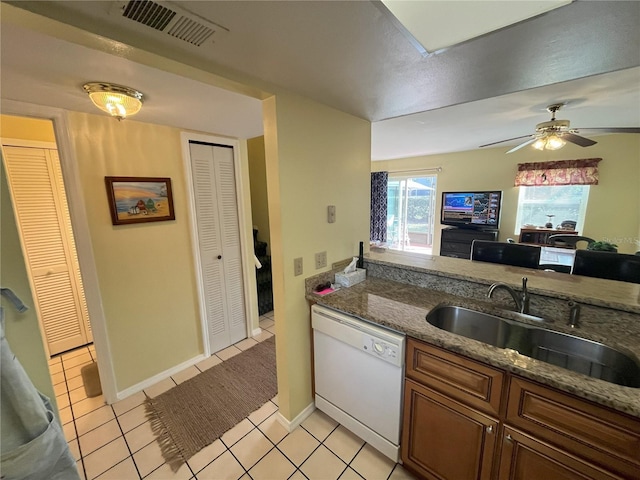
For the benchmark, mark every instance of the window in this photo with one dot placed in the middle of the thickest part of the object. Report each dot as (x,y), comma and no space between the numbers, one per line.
(565,202)
(411,203)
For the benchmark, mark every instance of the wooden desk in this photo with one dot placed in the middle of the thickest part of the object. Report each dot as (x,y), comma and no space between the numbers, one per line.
(540,236)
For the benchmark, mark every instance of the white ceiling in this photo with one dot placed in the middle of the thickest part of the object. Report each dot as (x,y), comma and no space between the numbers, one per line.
(47,71)
(436,24)
(347,55)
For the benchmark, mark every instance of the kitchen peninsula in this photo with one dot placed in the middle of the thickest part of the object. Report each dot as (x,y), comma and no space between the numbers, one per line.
(400,290)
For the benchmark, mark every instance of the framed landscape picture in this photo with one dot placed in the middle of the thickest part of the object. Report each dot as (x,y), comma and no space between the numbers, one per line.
(139,199)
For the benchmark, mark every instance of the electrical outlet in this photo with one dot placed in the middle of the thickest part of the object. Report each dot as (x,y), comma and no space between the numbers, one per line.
(297,266)
(321,260)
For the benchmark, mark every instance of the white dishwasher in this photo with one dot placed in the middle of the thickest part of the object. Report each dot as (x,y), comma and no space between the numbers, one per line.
(358,376)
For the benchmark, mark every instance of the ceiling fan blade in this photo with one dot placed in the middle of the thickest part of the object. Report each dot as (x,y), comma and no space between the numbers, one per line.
(502,141)
(578,140)
(518,147)
(610,130)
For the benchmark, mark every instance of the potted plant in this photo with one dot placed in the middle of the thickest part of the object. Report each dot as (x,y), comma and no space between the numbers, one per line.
(603,246)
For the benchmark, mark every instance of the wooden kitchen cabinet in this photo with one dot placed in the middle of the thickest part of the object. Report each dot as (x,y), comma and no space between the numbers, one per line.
(525,458)
(444,439)
(467,381)
(605,437)
(464,419)
(450,420)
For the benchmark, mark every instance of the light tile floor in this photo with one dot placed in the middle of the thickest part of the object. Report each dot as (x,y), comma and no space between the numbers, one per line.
(116,442)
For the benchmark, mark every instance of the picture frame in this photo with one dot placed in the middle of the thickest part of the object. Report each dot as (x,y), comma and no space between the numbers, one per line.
(139,199)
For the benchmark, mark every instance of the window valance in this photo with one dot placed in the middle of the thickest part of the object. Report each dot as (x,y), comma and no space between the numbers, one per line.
(561,172)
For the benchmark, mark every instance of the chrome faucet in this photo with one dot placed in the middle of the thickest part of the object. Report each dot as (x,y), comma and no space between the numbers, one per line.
(574,315)
(522,301)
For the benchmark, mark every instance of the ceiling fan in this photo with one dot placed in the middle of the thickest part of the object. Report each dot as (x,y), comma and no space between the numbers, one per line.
(554,134)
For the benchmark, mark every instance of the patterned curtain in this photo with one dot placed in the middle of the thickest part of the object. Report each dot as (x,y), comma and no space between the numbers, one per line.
(562,172)
(378,232)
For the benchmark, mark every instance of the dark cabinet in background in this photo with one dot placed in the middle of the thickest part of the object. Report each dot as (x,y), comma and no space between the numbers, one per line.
(456,242)
(540,236)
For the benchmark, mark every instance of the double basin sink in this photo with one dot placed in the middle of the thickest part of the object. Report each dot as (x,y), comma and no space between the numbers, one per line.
(568,351)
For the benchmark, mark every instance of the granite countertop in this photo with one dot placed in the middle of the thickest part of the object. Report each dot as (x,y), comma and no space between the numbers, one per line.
(593,291)
(403,308)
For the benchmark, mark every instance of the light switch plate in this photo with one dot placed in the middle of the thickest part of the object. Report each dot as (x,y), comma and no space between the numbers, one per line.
(297,266)
(331,213)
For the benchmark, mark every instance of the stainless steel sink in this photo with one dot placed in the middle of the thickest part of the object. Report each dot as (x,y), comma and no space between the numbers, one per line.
(568,351)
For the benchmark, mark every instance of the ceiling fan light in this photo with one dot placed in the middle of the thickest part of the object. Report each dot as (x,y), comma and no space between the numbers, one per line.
(554,142)
(539,144)
(116,100)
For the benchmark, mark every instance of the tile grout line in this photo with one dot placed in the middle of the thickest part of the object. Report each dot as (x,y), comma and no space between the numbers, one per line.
(254,424)
(135,465)
(73,419)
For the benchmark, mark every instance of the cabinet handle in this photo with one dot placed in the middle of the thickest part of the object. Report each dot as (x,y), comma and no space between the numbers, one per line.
(490,429)
(219,257)
(508,438)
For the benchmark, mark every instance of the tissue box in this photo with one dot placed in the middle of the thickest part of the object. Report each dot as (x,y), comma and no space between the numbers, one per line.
(349,279)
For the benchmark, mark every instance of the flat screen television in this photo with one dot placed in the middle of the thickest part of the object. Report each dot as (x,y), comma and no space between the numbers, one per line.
(471,209)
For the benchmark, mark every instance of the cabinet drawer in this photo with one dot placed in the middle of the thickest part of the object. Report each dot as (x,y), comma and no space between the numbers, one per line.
(606,437)
(458,377)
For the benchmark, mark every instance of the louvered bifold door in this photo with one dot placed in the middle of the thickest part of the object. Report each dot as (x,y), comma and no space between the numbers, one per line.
(58,184)
(230,230)
(209,244)
(41,225)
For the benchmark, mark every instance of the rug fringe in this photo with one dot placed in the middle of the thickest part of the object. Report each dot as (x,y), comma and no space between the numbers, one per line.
(170,451)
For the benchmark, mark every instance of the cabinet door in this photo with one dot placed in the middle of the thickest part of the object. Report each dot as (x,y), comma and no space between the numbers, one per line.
(524,458)
(443,439)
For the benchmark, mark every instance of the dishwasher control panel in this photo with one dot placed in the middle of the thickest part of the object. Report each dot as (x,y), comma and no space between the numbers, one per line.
(379,348)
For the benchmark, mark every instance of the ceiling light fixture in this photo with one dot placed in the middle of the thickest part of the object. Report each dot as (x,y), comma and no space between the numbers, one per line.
(117,100)
(549,141)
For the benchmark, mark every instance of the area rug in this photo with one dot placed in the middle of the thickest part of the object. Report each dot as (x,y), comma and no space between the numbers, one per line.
(195,413)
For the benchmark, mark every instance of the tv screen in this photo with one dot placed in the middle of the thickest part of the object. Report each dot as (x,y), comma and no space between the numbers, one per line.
(471,209)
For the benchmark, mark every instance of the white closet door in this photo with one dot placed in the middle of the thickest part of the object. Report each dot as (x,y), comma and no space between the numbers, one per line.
(46,243)
(219,243)
(58,183)
(231,253)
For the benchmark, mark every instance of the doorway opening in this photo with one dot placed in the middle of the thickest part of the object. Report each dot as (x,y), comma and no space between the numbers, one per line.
(220,240)
(411,206)
(39,198)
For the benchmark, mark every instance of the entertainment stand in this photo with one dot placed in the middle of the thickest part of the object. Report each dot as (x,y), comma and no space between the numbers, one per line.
(456,242)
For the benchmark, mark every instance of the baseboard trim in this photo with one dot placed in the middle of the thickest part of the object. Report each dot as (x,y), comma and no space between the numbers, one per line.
(301,417)
(157,378)
(256,331)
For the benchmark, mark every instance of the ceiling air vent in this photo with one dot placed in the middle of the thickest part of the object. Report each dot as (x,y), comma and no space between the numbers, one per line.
(170,19)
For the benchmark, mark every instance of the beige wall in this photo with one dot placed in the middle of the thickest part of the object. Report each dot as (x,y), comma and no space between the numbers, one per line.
(316,156)
(259,199)
(145,271)
(23,128)
(613,210)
